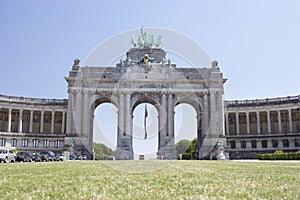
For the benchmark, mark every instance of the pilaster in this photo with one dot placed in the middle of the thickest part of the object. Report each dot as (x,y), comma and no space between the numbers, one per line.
(290,120)
(31,121)
(247,123)
(205,119)
(121,131)
(170,132)
(237,124)
(258,122)
(63,122)
(52,121)
(20,120)
(78,113)
(42,122)
(279,121)
(9,120)
(85,115)
(128,118)
(269,121)
(227,123)
(69,127)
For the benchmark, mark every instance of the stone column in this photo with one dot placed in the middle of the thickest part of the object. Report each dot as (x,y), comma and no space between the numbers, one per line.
(128,117)
(124,149)
(52,121)
(20,120)
(205,119)
(162,121)
(84,118)
(78,113)
(279,121)
(269,121)
(121,131)
(213,120)
(227,123)
(164,115)
(63,122)
(247,123)
(205,139)
(31,121)
(290,120)
(9,120)
(69,127)
(85,114)
(42,122)
(167,147)
(258,122)
(237,125)
(170,132)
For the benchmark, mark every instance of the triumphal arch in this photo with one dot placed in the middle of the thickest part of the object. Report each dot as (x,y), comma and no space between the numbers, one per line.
(146,75)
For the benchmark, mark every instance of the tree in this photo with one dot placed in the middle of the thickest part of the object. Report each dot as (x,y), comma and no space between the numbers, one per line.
(193,149)
(102,152)
(188,149)
(182,146)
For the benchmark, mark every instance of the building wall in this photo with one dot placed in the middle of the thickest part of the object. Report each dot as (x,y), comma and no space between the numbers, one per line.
(262,126)
(251,126)
(32,123)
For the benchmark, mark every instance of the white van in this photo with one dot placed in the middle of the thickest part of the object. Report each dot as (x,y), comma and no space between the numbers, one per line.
(7,156)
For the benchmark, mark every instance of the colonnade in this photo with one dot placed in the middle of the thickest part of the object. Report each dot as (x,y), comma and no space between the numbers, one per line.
(37,121)
(262,126)
(268,121)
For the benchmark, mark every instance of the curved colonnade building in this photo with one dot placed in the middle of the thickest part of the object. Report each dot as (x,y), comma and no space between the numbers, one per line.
(32,123)
(251,126)
(262,126)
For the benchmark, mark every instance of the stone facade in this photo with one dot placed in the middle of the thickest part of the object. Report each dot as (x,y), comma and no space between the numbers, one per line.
(262,126)
(32,123)
(146,76)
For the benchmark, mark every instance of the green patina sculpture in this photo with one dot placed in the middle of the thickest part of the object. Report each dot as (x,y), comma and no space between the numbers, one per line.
(72,143)
(146,40)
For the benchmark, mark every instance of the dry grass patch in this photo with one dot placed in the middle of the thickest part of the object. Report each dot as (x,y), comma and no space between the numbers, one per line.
(176,180)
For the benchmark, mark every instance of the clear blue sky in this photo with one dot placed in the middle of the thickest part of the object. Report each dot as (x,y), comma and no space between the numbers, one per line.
(256,42)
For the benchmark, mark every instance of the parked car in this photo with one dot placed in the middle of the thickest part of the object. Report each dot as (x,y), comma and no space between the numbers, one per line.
(36,157)
(7,156)
(23,156)
(80,157)
(72,157)
(56,158)
(47,156)
(61,157)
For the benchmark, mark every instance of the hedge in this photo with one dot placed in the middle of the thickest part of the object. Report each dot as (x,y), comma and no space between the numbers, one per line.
(280,155)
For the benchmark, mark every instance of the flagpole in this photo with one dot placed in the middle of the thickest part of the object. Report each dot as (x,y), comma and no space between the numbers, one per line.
(145,121)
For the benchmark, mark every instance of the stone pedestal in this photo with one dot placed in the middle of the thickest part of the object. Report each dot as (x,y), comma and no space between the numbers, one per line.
(167,153)
(157,53)
(124,154)
(220,154)
(124,149)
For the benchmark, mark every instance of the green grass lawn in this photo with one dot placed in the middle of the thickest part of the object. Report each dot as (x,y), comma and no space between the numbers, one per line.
(175,180)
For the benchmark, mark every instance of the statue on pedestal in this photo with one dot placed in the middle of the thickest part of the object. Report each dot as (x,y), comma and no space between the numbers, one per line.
(146,40)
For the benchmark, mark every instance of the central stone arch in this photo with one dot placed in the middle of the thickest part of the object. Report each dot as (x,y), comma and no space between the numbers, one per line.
(145,76)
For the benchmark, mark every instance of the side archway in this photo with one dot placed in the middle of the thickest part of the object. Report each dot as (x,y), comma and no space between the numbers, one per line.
(193,109)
